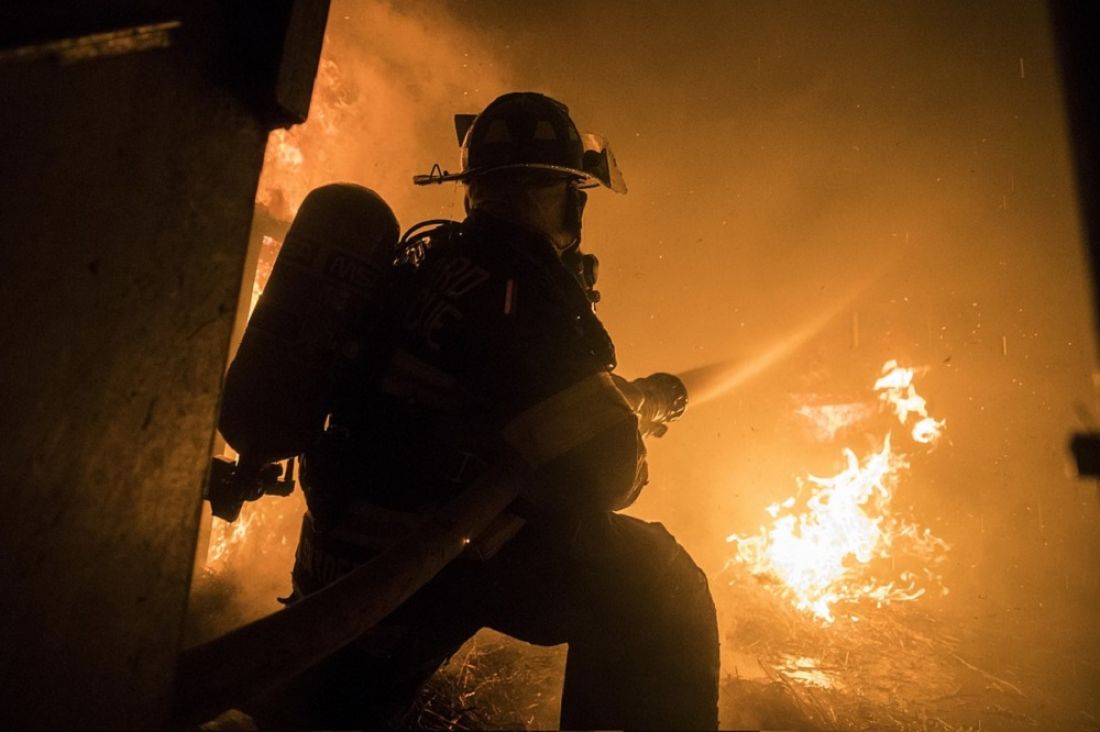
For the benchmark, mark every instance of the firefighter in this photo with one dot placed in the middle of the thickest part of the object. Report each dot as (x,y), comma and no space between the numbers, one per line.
(497,351)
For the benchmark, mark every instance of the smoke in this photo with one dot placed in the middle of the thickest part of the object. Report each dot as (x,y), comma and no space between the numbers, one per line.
(780,156)
(391,77)
(713,381)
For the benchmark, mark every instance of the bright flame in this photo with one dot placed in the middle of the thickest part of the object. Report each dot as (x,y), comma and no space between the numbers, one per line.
(896,388)
(822,554)
(285,151)
(225,535)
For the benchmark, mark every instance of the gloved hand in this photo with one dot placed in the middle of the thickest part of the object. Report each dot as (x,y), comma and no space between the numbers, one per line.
(657,399)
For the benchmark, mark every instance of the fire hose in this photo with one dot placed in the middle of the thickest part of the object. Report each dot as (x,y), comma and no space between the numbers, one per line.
(221,673)
(214,676)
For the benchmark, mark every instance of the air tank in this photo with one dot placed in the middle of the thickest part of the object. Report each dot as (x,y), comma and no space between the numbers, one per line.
(324,304)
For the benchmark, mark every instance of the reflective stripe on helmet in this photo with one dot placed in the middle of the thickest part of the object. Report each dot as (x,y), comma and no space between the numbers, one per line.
(568,419)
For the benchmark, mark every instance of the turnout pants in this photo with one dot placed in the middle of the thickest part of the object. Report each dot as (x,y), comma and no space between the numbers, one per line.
(630,603)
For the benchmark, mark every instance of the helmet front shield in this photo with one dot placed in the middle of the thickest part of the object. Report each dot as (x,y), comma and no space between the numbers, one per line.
(599,163)
(527,130)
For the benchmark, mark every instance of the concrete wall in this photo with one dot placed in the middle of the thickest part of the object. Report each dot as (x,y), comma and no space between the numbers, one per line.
(128,181)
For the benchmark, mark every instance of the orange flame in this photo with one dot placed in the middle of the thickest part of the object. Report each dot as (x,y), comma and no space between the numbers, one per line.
(821,555)
(224,536)
(896,388)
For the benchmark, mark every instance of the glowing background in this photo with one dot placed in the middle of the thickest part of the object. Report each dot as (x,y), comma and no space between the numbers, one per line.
(778,155)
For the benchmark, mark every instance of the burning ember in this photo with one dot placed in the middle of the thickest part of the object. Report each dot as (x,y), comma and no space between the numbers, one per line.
(825,542)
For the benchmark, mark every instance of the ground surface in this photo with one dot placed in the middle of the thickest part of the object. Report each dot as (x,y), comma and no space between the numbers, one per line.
(905,667)
(901,668)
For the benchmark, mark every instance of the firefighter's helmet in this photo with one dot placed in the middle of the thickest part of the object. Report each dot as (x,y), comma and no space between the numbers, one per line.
(533,131)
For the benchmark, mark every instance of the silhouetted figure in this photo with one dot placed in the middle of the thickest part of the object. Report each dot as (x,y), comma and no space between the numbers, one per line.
(497,351)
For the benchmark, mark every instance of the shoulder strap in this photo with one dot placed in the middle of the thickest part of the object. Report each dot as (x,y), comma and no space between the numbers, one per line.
(414,245)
